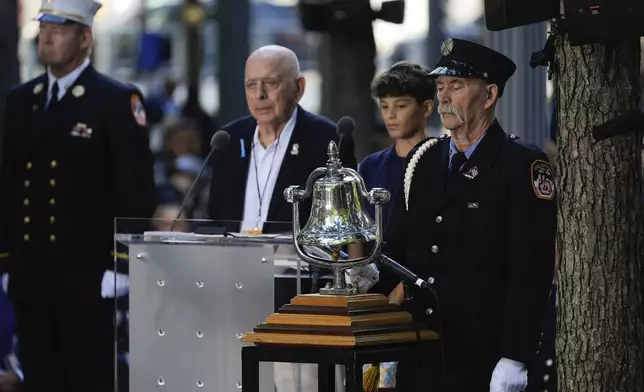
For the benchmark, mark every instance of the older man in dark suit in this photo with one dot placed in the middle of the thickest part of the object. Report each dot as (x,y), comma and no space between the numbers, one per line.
(275,147)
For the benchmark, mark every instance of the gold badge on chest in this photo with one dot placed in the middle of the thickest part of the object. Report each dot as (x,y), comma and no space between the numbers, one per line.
(78,91)
(38,88)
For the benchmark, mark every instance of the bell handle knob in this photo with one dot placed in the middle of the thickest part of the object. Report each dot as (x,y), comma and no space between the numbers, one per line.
(379,196)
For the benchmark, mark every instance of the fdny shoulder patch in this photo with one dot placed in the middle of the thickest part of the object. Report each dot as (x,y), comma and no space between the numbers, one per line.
(138,111)
(543,184)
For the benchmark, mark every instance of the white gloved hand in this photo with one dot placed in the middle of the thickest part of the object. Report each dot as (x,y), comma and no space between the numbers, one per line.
(109,289)
(5,283)
(362,278)
(509,376)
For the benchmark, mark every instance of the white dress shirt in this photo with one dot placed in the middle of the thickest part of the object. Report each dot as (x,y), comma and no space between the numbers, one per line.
(66,81)
(265,165)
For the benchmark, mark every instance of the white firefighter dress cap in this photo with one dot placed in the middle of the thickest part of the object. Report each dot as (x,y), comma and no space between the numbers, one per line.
(64,11)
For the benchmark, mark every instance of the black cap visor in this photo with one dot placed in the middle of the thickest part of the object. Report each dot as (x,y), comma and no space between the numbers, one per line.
(457,69)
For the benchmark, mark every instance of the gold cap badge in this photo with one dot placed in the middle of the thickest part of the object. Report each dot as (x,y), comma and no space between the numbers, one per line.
(447,46)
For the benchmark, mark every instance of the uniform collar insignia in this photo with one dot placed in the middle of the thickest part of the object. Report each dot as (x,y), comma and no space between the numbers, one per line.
(38,88)
(472,173)
(78,91)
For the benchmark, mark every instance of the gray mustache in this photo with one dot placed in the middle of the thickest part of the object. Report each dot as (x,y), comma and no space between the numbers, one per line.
(448,109)
(444,109)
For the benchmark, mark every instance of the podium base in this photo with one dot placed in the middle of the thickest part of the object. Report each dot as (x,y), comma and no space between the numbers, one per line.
(339,321)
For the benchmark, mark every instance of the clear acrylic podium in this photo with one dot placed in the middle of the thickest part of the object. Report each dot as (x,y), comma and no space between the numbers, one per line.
(192,296)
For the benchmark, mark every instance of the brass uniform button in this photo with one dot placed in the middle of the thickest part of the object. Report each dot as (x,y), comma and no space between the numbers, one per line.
(27,183)
(52,238)
(25,202)
(52,220)
(27,219)
(52,202)
(53,164)
(26,237)
(28,165)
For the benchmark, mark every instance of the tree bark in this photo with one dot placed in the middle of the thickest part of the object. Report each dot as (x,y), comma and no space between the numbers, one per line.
(600,327)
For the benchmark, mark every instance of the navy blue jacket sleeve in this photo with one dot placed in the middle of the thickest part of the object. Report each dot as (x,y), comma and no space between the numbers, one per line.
(6,181)
(532,222)
(133,178)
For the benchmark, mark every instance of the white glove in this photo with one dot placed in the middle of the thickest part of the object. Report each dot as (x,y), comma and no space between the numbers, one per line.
(5,283)
(108,287)
(509,376)
(362,278)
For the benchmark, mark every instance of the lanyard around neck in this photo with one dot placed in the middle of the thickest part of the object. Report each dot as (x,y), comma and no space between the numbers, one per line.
(262,193)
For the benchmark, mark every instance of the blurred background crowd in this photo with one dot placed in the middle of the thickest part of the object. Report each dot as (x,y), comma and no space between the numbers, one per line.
(155,43)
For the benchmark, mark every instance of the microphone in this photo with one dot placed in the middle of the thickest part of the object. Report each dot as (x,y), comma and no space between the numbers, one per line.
(409,277)
(346,145)
(344,128)
(219,141)
(403,273)
(630,121)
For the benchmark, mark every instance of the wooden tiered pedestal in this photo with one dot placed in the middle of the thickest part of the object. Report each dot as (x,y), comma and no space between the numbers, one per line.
(340,321)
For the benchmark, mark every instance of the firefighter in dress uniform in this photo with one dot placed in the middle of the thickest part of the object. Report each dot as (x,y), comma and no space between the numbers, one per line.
(476,219)
(75,156)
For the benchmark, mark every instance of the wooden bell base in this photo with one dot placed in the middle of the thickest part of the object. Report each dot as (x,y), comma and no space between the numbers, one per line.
(339,321)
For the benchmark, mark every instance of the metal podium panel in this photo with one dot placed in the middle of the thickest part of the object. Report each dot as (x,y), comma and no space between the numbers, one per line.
(189,306)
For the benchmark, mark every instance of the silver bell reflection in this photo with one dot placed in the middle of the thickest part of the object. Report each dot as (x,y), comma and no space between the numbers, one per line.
(338,218)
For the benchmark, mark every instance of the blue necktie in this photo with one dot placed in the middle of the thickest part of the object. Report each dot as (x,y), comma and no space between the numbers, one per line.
(53,102)
(458,159)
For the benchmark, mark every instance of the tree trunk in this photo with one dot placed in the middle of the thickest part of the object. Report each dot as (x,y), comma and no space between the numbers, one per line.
(9,69)
(600,341)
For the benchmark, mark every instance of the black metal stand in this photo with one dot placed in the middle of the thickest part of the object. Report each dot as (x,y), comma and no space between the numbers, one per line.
(327,357)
